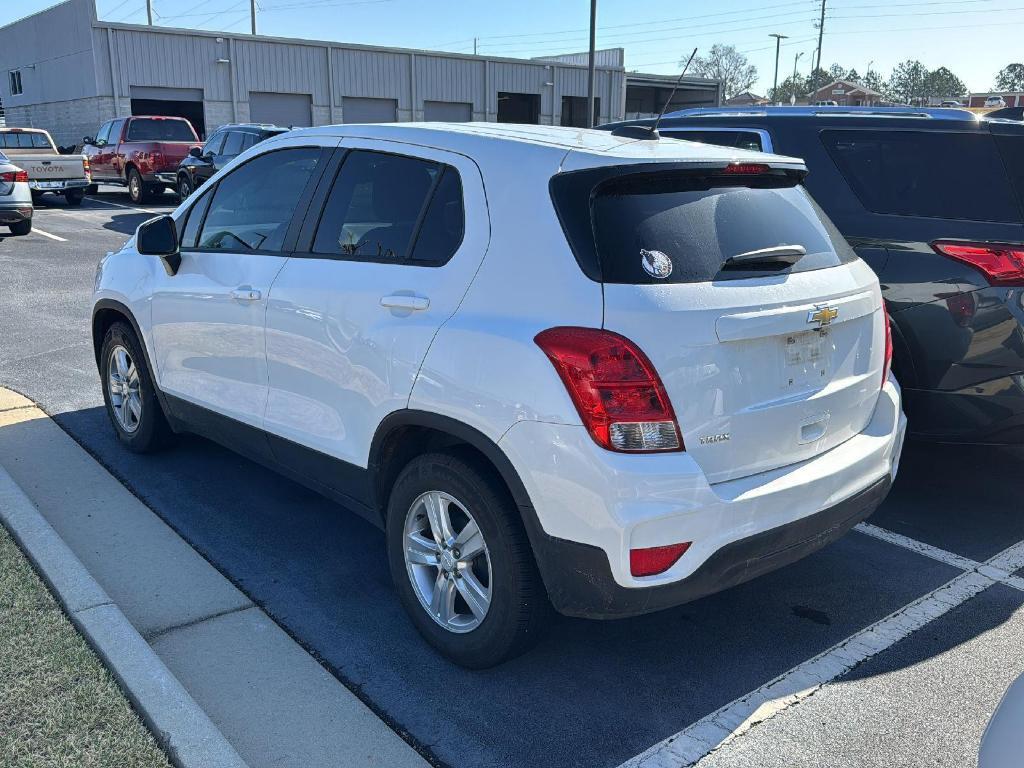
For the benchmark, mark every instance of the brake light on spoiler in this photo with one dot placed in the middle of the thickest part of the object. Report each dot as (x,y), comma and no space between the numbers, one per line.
(1001,263)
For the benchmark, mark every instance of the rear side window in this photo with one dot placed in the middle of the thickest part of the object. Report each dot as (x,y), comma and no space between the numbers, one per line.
(699,223)
(160,130)
(739,139)
(444,223)
(375,206)
(254,204)
(932,174)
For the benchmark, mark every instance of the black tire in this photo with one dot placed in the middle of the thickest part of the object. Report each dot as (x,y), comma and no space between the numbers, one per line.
(36,197)
(519,610)
(92,189)
(21,227)
(184,187)
(74,197)
(152,431)
(137,190)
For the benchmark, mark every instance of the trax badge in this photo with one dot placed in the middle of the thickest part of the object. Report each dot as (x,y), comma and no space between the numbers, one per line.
(822,314)
(655,263)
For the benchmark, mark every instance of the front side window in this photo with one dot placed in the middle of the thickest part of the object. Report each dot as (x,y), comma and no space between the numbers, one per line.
(233,143)
(253,205)
(214,143)
(116,128)
(933,174)
(103,135)
(148,129)
(374,206)
(15,77)
(194,220)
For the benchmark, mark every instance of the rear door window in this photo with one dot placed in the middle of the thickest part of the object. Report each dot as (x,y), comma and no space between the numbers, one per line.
(444,223)
(375,206)
(932,174)
(253,205)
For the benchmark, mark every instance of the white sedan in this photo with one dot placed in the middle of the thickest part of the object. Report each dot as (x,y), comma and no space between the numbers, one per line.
(15,198)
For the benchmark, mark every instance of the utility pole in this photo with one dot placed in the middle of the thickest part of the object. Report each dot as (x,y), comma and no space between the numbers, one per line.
(792,96)
(474,45)
(821,32)
(252,14)
(775,80)
(590,64)
(149,11)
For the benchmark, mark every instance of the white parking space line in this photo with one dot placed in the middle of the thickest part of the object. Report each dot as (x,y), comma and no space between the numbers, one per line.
(949,558)
(701,738)
(37,231)
(122,205)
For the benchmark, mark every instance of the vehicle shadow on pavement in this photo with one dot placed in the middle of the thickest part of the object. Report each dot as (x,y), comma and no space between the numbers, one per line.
(592,693)
(126,223)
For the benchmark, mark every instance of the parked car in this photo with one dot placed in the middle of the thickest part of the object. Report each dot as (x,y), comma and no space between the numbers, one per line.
(15,198)
(931,199)
(48,170)
(952,103)
(227,143)
(995,101)
(553,364)
(827,103)
(141,153)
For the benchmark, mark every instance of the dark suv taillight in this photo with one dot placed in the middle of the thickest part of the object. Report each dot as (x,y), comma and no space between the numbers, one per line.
(616,390)
(1001,263)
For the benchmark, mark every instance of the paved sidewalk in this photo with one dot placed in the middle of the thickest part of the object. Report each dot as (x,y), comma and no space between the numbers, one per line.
(271,700)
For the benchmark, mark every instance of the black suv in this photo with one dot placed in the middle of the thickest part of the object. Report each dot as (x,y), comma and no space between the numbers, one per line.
(226,143)
(932,199)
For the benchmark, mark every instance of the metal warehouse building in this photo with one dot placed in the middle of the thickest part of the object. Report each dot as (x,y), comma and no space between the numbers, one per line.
(68,72)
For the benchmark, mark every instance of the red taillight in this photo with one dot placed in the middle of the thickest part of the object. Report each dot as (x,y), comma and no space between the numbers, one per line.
(14,176)
(87,168)
(887,364)
(1001,263)
(616,390)
(746,169)
(655,560)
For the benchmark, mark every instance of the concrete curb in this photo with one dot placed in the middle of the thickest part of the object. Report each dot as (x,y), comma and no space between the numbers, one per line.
(180,725)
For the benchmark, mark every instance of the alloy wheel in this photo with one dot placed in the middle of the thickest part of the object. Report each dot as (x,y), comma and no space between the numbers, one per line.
(124,388)
(447,561)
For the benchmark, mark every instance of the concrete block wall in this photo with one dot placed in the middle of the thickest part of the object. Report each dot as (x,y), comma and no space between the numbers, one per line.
(67,121)
(216,114)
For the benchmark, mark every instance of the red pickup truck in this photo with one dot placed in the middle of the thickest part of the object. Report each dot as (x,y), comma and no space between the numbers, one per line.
(141,153)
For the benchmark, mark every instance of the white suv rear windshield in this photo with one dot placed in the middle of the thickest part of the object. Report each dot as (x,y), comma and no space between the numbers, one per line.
(699,222)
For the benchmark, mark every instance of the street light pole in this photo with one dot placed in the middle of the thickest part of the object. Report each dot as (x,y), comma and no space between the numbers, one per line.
(792,96)
(590,64)
(775,80)
(149,11)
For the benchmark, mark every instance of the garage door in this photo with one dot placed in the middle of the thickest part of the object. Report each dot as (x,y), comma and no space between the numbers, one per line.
(170,102)
(292,110)
(447,111)
(362,110)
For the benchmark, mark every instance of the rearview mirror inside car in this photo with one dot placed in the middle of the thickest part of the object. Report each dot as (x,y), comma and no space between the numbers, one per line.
(159,237)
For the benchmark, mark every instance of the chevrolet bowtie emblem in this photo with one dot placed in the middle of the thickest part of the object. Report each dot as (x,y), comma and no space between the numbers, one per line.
(822,315)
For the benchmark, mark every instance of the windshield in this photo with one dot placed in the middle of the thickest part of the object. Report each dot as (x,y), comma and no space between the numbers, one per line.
(160,130)
(692,225)
(24,141)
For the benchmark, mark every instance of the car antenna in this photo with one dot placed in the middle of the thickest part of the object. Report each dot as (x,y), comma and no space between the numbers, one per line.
(651,132)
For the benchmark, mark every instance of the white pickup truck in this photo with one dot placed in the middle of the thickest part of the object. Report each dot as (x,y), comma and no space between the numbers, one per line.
(32,150)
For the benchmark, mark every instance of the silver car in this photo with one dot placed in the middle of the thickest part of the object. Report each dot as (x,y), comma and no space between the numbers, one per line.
(15,198)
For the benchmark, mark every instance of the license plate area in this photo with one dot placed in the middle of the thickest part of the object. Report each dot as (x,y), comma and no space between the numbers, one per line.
(806,360)
(46,184)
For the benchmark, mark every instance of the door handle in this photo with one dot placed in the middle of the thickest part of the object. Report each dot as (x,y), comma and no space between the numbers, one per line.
(412,303)
(245,294)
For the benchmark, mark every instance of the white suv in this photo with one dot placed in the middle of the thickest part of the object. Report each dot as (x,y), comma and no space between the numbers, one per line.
(558,367)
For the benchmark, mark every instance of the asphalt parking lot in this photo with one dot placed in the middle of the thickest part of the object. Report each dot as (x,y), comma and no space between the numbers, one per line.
(592,694)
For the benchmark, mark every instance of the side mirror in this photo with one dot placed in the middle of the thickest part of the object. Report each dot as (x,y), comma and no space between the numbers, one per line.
(88,140)
(159,237)
(196,152)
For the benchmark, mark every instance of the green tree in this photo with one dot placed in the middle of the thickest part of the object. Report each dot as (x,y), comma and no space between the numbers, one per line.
(1010,78)
(725,63)
(943,84)
(874,81)
(837,72)
(789,87)
(907,81)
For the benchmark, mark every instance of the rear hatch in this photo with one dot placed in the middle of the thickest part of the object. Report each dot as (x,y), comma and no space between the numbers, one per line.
(770,358)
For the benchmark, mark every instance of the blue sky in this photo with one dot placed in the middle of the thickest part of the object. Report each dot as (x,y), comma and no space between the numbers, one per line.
(974,38)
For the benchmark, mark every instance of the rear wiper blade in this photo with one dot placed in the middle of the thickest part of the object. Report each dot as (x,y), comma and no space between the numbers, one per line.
(779,254)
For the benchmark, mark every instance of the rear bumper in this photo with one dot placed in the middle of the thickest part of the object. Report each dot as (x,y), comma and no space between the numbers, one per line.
(57,185)
(13,214)
(592,506)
